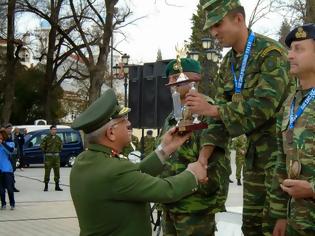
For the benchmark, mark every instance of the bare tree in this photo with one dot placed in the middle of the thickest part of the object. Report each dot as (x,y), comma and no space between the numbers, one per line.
(261,10)
(13,47)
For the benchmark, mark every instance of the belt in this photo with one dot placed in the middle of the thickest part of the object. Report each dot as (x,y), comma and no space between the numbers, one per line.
(52,153)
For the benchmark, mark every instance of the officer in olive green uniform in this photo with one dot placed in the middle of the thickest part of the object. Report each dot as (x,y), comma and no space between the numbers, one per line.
(194,214)
(251,86)
(111,195)
(51,145)
(239,144)
(293,195)
(148,142)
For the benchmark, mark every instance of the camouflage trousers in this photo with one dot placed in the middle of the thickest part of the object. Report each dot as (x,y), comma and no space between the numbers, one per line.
(52,161)
(239,165)
(184,224)
(256,198)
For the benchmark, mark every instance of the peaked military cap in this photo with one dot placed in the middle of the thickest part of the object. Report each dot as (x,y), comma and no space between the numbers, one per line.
(217,9)
(301,33)
(104,109)
(187,65)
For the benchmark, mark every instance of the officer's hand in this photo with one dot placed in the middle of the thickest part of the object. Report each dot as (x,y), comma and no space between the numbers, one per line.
(172,140)
(197,104)
(280,227)
(199,170)
(297,188)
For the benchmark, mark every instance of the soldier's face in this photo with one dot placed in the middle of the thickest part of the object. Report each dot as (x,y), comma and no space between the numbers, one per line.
(302,57)
(53,131)
(226,31)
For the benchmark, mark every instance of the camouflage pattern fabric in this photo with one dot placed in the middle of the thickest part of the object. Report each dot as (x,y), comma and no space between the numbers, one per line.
(52,162)
(239,144)
(204,200)
(217,9)
(149,145)
(299,212)
(51,146)
(181,224)
(265,88)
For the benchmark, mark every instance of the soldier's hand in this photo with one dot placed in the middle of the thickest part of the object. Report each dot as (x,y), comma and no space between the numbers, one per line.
(172,140)
(297,188)
(280,227)
(199,170)
(197,104)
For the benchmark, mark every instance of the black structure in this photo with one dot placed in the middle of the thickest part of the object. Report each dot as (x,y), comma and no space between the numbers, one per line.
(149,99)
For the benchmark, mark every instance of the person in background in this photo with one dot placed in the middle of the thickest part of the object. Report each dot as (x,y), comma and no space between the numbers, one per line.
(51,145)
(148,143)
(19,142)
(6,170)
(12,155)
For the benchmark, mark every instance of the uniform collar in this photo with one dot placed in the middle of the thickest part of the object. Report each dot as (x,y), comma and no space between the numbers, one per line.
(108,151)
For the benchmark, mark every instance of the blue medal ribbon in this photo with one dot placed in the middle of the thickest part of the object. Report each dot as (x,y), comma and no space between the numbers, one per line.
(238,83)
(293,117)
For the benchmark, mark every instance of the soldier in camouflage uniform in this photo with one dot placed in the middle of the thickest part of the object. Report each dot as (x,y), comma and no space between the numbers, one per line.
(133,145)
(239,144)
(148,142)
(251,86)
(194,214)
(51,145)
(293,189)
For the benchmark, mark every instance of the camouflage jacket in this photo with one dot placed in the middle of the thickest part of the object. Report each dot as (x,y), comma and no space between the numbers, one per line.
(266,86)
(51,144)
(239,144)
(302,149)
(149,145)
(205,198)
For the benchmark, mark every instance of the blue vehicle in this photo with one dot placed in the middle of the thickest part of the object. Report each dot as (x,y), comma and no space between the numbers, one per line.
(72,146)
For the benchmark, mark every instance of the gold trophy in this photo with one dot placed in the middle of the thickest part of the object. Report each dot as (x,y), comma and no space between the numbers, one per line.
(181,83)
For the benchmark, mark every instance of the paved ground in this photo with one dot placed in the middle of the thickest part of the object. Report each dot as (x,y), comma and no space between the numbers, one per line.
(52,213)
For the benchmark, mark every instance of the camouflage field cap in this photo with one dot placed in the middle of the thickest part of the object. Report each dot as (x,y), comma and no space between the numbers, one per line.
(186,64)
(300,33)
(217,9)
(104,109)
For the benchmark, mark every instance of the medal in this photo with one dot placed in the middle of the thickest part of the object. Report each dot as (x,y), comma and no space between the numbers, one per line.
(237,97)
(289,136)
(294,169)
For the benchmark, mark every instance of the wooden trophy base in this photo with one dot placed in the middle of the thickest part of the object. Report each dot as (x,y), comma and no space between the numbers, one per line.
(185,128)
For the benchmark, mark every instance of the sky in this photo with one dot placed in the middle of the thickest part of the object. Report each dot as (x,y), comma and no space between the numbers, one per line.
(164,27)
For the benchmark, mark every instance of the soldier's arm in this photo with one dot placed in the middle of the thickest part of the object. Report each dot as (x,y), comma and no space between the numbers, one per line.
(279,199)
(43,144)
(133,185)
(269,93)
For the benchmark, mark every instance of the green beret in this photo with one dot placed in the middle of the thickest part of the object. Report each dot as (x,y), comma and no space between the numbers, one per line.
(188,65)
(301,33)
(217,9)
(104,109)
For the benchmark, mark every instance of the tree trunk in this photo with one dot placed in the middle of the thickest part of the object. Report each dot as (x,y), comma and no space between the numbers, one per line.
(50,73)
(10,73)
(310,11)
(96,81)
